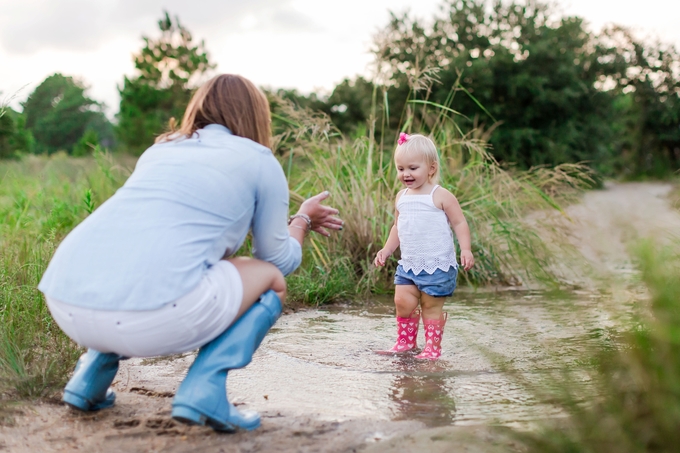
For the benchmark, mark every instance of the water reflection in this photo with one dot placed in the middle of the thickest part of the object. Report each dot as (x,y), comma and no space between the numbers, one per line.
(420,392)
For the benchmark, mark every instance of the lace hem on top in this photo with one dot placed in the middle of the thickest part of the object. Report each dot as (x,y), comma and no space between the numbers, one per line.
(429,267)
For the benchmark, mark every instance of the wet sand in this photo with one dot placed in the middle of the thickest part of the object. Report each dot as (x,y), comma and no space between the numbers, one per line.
(319,386)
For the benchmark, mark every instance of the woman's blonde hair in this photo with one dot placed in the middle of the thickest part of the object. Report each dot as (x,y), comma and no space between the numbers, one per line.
(421,146)
(230,100)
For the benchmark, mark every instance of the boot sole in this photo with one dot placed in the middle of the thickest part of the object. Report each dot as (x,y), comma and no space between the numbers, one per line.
(190,416)
(388,352)
(82,404)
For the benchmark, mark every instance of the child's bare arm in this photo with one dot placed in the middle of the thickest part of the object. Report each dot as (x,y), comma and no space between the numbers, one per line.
(448,202)
(390,246)
(392,240)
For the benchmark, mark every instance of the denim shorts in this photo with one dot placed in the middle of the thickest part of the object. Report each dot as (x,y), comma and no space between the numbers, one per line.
(439,284)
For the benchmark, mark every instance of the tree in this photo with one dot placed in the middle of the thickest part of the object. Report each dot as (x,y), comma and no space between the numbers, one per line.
(58,113)
(14,138)
(87,143)
(168,68)
(645,78)
(350,103)
(512,65)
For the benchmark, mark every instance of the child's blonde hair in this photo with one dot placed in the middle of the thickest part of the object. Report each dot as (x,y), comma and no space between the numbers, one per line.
(419,145)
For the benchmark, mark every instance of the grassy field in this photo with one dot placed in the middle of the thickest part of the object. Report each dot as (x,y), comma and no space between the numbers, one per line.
(42,198)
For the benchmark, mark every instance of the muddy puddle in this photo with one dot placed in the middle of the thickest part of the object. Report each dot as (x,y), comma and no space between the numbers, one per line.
(320,363)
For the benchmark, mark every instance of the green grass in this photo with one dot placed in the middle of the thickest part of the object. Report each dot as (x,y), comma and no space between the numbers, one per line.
(41,200)
(361,177)
(637,381)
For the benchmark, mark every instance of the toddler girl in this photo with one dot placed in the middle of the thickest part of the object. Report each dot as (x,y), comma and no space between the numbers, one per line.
(427,271)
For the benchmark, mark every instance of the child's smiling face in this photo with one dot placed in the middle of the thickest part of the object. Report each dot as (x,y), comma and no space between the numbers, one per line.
(413,171)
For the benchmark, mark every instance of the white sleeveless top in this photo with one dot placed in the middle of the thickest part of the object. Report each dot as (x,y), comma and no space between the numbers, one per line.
(425,236)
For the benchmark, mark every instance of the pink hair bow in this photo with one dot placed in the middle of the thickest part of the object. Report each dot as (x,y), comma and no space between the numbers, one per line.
(403,136)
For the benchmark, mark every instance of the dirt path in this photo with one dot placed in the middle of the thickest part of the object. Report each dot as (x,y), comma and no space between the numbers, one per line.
(320,389)
(607,221)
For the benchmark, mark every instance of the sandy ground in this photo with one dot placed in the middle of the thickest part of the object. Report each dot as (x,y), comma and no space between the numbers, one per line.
(608,222)
(602,227)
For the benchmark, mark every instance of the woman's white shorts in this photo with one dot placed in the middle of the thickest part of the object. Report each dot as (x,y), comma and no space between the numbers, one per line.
(180,326)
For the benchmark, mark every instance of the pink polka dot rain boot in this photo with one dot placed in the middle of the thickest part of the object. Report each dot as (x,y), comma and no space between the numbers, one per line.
(407,334)
(434,330)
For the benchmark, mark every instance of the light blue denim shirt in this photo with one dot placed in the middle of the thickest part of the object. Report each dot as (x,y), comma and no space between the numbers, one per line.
(187,203)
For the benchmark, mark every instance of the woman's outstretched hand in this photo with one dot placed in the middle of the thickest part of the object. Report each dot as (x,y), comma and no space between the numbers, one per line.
(323,217)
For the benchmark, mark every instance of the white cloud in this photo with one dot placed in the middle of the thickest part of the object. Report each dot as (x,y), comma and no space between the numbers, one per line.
(290,19)
(29,26)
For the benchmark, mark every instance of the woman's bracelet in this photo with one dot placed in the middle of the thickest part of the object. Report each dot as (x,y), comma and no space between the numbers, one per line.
(304,217)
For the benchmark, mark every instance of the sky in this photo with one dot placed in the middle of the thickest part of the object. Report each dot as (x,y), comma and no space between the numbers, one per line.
(310,45)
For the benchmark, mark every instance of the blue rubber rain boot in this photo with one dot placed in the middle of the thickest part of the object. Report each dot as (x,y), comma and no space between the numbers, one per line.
(202,397)
(88,389)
